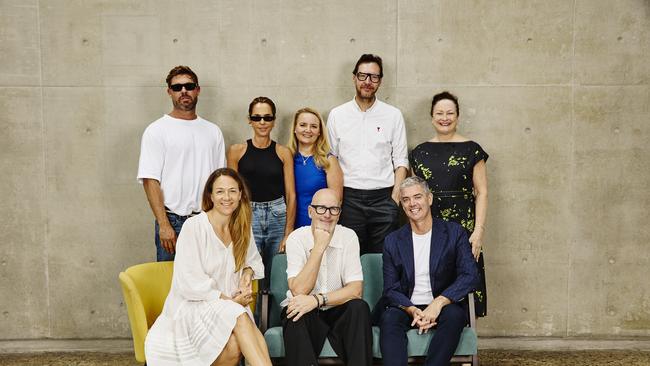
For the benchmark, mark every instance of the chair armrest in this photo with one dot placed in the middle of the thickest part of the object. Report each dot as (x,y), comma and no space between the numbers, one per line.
(472,310)
(264,311)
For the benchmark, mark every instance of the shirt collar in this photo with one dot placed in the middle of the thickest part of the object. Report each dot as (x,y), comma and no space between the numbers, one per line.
(356,105)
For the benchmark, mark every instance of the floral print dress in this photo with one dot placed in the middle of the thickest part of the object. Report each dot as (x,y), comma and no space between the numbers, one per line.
(448,168)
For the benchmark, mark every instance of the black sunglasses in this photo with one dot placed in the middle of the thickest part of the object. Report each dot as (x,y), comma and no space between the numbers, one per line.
(179,87)
(266,118)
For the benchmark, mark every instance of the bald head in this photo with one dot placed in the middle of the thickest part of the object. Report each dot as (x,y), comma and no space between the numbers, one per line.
(325,209)
(326,197)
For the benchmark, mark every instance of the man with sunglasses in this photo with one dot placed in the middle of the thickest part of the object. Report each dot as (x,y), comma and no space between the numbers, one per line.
(369,138)
(177,154)
(325,285)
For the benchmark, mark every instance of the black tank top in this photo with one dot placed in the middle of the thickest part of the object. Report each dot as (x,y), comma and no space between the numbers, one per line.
(263,171)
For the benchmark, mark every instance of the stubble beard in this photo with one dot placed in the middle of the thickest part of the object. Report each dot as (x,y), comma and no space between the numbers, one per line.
(362,95)
(185,107)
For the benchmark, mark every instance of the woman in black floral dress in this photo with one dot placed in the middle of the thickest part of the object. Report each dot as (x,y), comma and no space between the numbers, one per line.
(454,168)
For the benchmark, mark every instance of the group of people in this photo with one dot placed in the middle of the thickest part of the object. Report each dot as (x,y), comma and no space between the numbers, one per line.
(329,196)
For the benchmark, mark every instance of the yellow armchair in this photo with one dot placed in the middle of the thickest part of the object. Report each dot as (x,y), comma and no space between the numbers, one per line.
(145,288)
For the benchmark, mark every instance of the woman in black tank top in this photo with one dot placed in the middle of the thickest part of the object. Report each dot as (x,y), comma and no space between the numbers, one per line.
(267,168)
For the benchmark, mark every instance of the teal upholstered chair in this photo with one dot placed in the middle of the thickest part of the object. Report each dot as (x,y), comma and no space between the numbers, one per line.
(373,285)
(372,289)
(270,321)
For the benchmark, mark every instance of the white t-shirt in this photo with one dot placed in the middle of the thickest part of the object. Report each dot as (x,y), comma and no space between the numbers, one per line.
(422,294)
(370,145)
(181,155)
(341,263)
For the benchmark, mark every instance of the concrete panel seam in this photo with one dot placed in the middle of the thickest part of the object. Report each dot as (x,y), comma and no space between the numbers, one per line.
(46,256)
(572,163)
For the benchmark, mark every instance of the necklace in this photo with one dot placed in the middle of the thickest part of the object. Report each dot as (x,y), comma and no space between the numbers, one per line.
(304,159)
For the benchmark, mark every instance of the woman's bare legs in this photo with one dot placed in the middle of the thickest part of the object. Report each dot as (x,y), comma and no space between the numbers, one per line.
(251,342)
(230,355)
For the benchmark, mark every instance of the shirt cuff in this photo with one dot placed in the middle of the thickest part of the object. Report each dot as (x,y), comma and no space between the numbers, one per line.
(142,177)
(399,163)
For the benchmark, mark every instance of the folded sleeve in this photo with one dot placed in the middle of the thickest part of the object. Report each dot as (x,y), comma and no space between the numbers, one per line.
(478,154)
(400,152)
(254,260)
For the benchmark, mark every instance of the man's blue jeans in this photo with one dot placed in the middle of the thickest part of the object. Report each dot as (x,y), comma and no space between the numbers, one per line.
(177,223)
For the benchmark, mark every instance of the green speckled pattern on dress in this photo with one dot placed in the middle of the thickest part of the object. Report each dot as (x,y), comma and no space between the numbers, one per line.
(448,168)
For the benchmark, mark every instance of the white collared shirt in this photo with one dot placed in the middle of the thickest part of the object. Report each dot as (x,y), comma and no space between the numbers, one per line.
(370,145)
(341,263)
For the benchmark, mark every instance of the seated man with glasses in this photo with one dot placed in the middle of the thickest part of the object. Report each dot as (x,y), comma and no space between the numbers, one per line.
(325,285)
(369,139)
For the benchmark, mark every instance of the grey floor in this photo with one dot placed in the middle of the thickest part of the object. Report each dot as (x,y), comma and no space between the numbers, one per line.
(493,352)
(487,358)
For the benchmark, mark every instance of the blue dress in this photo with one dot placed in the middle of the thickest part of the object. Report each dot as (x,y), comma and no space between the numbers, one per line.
(309,179)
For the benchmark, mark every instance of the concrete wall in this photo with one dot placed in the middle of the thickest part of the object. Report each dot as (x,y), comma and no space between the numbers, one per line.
(557,92)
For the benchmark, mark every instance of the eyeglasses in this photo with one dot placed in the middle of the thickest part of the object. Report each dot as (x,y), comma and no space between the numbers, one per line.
(362,76)
(266,118)
(320,209)
(179,87)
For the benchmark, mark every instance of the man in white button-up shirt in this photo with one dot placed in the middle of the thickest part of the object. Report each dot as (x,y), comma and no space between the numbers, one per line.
(325,285)
(369,138)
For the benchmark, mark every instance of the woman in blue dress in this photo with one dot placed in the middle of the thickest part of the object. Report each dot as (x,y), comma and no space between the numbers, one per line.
(314,166)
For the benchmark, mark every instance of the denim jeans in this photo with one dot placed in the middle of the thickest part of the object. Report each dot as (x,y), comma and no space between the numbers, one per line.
(177,223)
(269,219)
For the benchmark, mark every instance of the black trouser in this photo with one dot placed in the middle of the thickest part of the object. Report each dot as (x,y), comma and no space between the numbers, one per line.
(372,214)
(396,322)
(346,326)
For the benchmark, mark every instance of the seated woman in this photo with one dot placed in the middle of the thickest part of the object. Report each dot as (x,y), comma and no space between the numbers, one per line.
(313,165)
(206,319)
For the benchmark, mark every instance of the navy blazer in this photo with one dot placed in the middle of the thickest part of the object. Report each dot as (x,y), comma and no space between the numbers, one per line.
(452,268)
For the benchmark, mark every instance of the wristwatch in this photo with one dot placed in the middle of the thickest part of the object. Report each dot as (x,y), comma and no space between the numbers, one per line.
(324,299)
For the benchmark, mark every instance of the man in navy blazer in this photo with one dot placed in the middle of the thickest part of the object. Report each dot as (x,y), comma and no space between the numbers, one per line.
(428,272)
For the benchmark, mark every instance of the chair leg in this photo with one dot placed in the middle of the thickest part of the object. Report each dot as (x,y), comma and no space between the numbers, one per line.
(475,360)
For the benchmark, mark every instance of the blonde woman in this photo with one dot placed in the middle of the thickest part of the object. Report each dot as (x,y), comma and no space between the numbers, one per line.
(313,164)
(206,319)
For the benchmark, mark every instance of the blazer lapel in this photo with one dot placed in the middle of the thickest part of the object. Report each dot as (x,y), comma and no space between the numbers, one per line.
(438,241)
(406,252)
